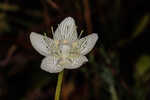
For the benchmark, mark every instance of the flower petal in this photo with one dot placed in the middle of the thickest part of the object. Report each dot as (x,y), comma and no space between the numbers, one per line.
(87,43)
(66,30)
(77,62)
(50,65)
(41,43)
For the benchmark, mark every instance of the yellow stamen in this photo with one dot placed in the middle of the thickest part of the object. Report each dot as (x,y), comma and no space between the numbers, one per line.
(75,44)
(65,41)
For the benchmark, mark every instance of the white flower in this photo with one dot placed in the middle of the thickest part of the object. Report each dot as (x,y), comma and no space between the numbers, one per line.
(65,50)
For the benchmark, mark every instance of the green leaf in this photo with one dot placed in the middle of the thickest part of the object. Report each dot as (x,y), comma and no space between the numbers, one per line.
(142,67)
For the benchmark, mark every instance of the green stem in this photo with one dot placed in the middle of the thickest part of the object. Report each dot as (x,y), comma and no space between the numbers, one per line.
(59,84)
(113,93)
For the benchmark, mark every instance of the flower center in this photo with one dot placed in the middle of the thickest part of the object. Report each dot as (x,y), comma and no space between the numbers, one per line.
(64,54)
(64,51)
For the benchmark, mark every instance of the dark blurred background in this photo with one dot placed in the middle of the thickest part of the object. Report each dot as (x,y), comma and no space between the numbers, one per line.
(118,67)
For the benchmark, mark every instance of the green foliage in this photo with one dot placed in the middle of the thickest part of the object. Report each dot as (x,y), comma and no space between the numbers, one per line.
(143,68)
(7,7)
(142,76)
(3,23)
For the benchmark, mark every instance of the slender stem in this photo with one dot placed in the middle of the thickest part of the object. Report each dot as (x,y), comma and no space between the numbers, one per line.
(113,93)
(59,84)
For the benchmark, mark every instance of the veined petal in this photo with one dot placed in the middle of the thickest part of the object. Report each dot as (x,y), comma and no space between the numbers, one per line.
(66,30)
(50,65)
(77,62)
(41,43)
(87,43)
